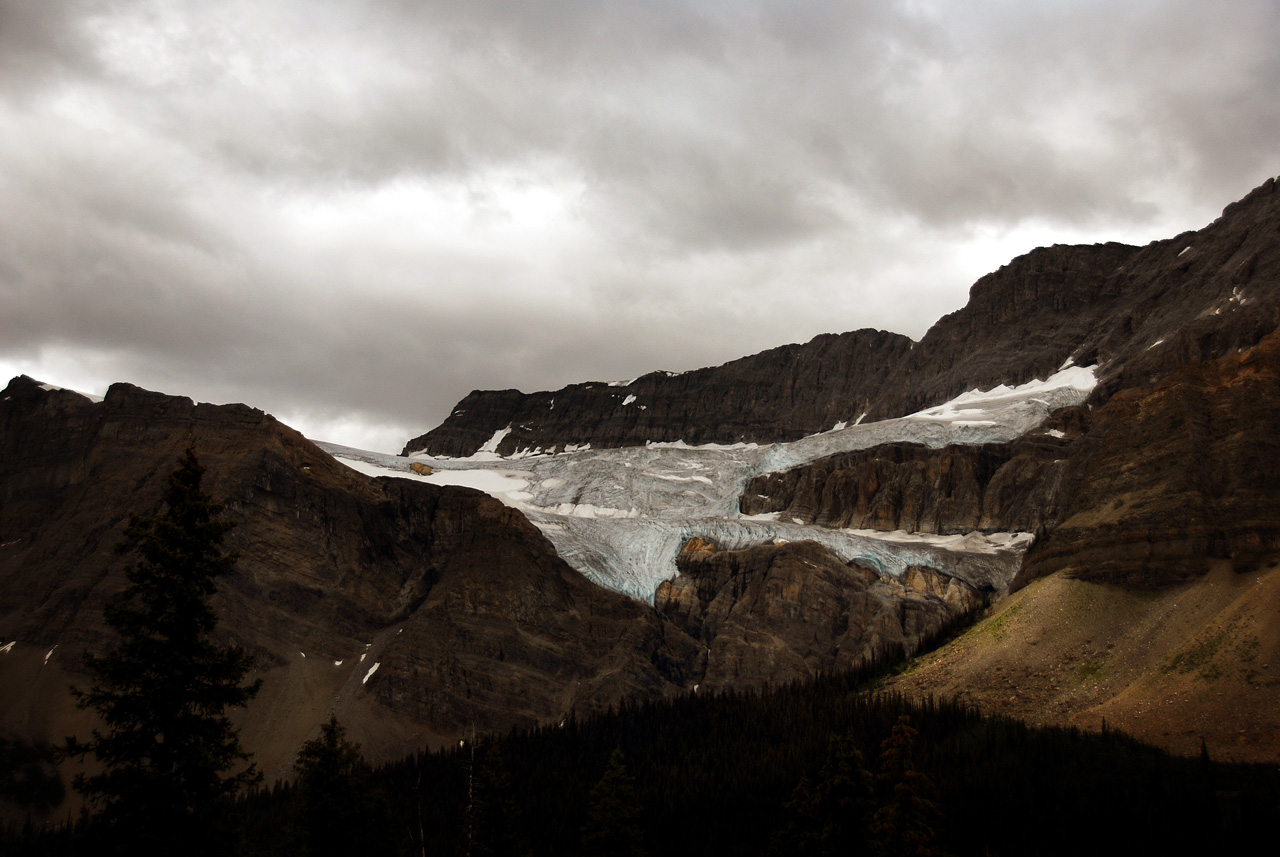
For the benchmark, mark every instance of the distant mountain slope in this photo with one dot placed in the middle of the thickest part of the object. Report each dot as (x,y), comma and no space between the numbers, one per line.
(780,394)
(413,611)
(1139,312)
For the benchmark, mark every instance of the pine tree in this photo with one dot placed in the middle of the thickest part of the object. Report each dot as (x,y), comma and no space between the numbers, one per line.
(167,749)
(340,811)
(905,823)
(830,816)
(493,807)
(613,819)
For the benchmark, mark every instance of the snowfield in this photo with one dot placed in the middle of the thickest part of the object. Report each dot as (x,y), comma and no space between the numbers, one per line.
(619,516)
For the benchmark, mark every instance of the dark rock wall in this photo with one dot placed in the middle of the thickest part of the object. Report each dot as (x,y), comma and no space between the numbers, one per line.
(780,394)
(903,486)
(780,613)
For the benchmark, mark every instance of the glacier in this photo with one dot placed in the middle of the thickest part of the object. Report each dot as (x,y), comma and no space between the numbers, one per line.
(620,516)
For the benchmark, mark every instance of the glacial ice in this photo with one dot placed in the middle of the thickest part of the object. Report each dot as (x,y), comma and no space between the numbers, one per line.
(619,516)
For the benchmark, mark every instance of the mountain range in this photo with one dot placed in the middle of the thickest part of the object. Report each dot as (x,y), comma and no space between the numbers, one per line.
(1085,455)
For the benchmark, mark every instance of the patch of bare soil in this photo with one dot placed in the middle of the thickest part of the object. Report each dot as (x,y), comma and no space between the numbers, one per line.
(1173,667)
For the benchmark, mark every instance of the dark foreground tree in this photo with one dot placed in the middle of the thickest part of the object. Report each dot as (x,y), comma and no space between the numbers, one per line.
(341,813)
(905,825)
(831,816)
(613,818)
(169,756)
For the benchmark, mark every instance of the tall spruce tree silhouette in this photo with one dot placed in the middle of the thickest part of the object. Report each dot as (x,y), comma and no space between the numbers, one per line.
(167,750)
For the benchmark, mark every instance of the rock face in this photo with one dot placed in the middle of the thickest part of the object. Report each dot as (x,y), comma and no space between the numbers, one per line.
(1174,476)
(780,394)
(1144,491)
(1008,487)
(1138,312)
(780,613)
(471,619)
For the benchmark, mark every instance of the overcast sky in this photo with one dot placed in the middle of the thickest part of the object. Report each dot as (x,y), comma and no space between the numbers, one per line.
(350,214)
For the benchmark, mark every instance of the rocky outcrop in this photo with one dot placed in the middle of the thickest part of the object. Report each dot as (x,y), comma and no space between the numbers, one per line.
(1007,487)
(1174,476)
(777,613)
(414,612)
(1140,313)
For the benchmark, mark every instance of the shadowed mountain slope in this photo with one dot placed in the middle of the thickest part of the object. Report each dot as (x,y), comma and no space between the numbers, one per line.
(472,619)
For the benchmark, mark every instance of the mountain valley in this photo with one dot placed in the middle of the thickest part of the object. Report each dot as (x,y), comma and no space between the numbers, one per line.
(1088,450)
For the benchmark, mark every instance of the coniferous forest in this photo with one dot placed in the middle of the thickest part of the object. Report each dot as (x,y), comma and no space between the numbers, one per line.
(825,767)
(820,768)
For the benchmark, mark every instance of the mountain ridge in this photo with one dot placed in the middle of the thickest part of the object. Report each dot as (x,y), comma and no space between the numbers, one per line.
(1102,303)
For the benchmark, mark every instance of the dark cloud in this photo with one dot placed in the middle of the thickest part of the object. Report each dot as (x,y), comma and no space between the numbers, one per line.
(353,213)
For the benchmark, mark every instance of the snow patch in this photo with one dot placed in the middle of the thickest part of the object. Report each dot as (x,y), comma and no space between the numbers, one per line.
(490,446)
(48,655)
(1185,250)
(373,669)
(628,400)
(7,647)
(50,388)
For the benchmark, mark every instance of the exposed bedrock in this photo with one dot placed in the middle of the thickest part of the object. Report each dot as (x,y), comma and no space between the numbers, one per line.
(1000,487)
(781,612)
(1174,476)
(1139,312)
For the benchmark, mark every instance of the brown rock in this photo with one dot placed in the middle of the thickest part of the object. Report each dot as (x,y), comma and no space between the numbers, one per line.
(905,486)
(776,613)
(1172,477)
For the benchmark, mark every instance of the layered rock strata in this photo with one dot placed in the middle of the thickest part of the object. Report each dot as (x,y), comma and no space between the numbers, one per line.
(1174,476)
(781,394)
(998,487)
(786,612)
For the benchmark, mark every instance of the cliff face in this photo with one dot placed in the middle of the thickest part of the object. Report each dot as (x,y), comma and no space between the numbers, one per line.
(787,612)
(1006,487)
(1138,312)
(1174,476)
(470,616)
(1144,491)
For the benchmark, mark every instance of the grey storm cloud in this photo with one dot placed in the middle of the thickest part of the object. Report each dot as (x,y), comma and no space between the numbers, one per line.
(352,213)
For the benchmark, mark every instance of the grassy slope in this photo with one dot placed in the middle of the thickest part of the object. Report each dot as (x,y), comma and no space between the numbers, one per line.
(1170,667)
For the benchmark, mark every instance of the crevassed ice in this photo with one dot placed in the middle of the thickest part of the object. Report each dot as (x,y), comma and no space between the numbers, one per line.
(619,516)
